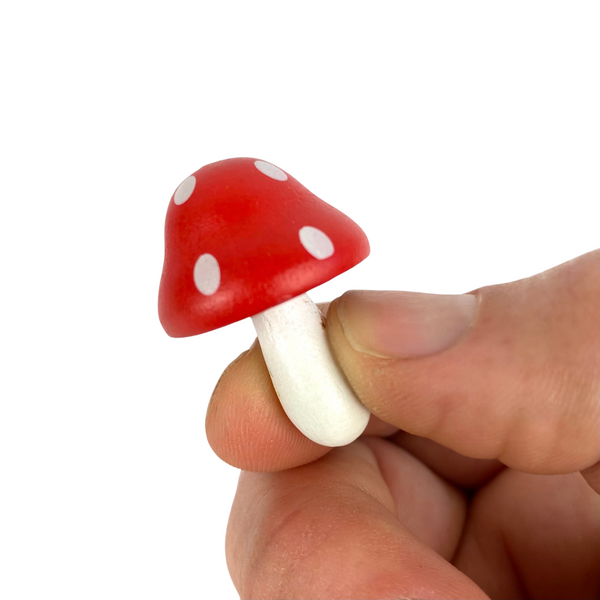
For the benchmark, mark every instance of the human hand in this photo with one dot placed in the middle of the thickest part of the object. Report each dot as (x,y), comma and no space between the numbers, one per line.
(466,482)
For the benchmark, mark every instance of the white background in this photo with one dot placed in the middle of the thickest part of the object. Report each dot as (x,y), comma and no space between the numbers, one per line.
(462,137)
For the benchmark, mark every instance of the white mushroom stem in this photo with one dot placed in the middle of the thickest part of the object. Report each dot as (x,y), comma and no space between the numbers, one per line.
(312,390)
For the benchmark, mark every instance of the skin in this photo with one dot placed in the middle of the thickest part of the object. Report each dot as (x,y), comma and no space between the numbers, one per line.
(477,476)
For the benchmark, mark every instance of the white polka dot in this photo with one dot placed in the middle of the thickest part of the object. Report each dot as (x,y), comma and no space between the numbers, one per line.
(184,191)
(270,170)
(207,274)
(316,243)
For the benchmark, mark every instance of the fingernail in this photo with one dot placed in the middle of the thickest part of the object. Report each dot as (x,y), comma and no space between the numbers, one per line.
(404,324)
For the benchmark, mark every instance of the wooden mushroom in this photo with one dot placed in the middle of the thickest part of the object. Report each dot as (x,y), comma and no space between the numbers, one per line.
(245,239)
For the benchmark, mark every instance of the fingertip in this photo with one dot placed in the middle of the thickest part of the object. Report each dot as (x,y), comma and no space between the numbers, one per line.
(246,425)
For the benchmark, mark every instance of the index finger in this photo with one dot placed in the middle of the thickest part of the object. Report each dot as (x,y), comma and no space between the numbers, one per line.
(247,427)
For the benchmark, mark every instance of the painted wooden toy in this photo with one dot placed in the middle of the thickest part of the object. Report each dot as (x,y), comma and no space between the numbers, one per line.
(245,239)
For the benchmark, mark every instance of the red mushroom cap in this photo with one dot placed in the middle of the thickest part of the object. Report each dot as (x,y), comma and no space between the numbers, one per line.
(242,236)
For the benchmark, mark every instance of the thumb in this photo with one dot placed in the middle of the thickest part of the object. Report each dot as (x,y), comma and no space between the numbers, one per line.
(507,372)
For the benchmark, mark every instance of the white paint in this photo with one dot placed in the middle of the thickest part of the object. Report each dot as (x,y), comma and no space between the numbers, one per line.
(185,190)
(316,243)
(207,274)
(312,390)
(270,170)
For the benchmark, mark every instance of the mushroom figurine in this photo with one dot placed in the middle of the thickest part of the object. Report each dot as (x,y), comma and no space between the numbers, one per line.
(245,239)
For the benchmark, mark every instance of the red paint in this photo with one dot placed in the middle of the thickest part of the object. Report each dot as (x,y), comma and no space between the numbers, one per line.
(249,222)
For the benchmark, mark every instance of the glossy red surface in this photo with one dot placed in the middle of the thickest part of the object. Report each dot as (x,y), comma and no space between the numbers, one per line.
(250,223)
